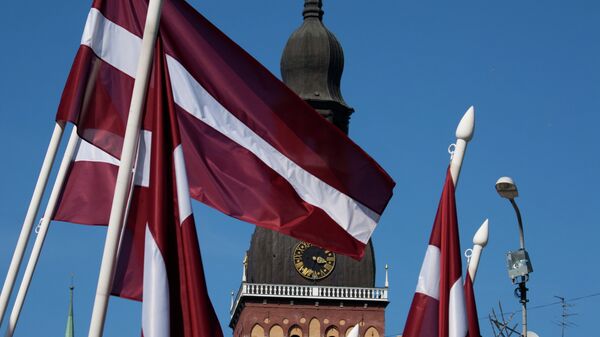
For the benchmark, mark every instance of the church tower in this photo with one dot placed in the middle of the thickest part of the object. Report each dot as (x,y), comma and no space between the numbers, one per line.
(289,287)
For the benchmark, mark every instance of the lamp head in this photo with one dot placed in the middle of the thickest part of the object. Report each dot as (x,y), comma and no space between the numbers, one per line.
(506,187)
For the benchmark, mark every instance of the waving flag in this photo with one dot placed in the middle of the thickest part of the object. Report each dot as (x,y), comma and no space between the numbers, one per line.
(438,307)
(253,149)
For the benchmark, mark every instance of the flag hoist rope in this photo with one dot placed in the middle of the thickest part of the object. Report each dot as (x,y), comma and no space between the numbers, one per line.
(32,211)
(124,176)
(43,230)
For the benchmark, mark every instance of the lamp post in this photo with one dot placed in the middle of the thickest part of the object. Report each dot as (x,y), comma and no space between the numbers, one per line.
(519,265)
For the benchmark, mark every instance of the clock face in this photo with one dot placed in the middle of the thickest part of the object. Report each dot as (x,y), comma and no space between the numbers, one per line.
(312,262)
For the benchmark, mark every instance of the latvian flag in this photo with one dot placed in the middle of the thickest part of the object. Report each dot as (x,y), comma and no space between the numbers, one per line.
(252,148)
(438,307)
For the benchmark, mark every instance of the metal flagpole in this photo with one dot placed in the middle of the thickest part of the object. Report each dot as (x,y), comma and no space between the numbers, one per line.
(34,205)
(480,240)
(124,176)
(464,134)
(43,230)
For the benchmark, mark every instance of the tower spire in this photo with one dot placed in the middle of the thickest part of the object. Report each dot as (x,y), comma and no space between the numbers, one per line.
(70,330)
(313,9)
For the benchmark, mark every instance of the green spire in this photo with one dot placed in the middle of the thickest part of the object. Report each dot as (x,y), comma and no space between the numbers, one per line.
(70,330)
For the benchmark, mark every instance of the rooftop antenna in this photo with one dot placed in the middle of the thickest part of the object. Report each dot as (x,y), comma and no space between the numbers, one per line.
(501,326)
(564,322)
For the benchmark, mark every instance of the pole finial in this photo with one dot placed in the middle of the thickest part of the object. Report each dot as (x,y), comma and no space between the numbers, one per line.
(466,127)
(482,234)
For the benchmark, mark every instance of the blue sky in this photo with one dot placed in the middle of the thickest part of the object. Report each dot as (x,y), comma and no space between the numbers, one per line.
(531,69)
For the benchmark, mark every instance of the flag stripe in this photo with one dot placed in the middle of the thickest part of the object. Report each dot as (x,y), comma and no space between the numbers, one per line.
(357,219)
(101,35)
(429,276)
(88,152)
(457,320)
(87,195)
(155,307)
(422,319)
(183,192)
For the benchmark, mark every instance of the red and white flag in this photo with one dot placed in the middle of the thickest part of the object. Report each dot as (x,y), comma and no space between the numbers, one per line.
(438,307)
(160,233)
(253,149)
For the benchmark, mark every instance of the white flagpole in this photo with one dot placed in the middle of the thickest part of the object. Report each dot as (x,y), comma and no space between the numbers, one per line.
(124,176)
(32,211)
(464,134)
(480,240)
(43,230)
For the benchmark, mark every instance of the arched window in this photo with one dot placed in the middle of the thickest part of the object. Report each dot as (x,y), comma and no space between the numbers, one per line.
(257,331)
(314,328)
(276,331)
(371,332)
(295,331)
(332,332)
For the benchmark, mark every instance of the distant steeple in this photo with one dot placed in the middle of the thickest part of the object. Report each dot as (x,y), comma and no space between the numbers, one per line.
(70,330)
(312,64)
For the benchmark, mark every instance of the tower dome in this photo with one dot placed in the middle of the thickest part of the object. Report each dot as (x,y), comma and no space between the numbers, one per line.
(312,64)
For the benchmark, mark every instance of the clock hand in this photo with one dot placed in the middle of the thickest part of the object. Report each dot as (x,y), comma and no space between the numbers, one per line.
(319,259)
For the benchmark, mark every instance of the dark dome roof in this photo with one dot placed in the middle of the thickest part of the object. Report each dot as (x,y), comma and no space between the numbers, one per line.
(270,261)
(312,64)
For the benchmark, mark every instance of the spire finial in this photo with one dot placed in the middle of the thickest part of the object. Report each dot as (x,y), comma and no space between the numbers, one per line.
(313,9)
(387,282)
(245,268)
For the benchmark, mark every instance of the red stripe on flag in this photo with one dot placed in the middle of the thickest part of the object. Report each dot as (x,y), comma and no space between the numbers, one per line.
(88,193)
(422,319)
(472,317)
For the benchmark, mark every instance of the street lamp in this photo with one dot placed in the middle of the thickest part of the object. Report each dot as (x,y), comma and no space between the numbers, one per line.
(518,262)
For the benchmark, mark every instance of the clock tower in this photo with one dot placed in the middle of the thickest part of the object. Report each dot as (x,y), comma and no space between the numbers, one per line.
(291,288)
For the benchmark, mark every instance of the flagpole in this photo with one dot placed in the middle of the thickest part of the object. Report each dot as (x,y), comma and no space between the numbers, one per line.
(464,134)
(480,240)
(32,211)
(43,230)
(124,176)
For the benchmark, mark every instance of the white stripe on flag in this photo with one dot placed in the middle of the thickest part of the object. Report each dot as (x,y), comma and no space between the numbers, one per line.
(429,276)
(142,168)
(457,312)
(109,40)
(102,35)
(88,152)
(155,306)
(183,192)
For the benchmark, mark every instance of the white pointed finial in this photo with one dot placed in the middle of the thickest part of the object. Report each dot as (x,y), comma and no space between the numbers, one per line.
(464,133)
(245,267)
(354,331)
(482,234)
(480,240)
(387,283)
(466,127)
(231,303)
